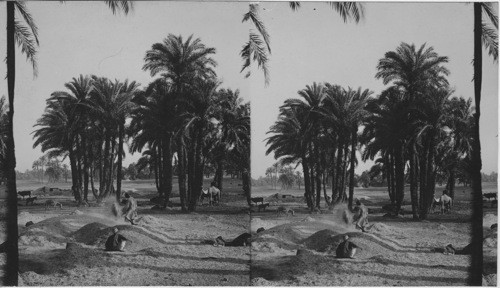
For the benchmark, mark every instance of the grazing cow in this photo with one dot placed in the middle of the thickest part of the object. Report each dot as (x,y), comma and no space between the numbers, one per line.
(31,200)
(24,193)
(284,210)
(52,203)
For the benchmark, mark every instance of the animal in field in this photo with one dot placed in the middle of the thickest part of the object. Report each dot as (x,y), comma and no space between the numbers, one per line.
(446,203)
(215,194)
(24,193)
(490,196)
(31,200)
(263,206)
(212,193)
(52,203)
(436,202)
(256,200)
(284,210)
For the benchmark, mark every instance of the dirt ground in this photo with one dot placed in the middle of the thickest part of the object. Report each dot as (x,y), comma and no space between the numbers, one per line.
(166,247)
(297,250)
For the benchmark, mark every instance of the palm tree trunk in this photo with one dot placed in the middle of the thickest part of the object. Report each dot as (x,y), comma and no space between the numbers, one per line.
(343,185)
(120,160)
(476,267)
(451,183)
(181,173)
(338,174)
(191,168)
(105,167)
(161,179)
(431,179)
(74,175)
(198,173)
(413,184)
(423,183)
(85,170)
(400,177)
(307,179)
(354,141)
(167,167)
(11,267)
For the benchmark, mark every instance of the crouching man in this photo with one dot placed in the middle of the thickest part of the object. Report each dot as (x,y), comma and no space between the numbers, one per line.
(346,249)
(116,242)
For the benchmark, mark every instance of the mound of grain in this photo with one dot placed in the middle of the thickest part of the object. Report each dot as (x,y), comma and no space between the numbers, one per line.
(382,229)
(321,241)
(489,219)
(96,234)
(490,241)
(87,234)
(38,240)
(24,217)
(308,219)
(149,220)
(257,223)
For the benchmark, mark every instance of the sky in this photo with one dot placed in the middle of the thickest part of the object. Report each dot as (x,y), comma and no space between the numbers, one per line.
(310,45)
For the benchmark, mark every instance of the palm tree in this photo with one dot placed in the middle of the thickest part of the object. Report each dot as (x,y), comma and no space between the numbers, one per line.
(483,34)
(182,64)
(26,35)
(3,137)
(412,72)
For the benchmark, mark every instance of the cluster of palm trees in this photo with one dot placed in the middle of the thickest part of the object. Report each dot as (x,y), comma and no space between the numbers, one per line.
(414,126)
(180,119)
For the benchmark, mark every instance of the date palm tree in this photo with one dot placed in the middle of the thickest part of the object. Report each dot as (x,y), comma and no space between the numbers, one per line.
(485,35)
(26,36)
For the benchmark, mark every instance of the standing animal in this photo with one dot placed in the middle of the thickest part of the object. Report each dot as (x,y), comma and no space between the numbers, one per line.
(446,203)
(215,194)
(204,194)
(52,203)
(263,206)
(31,200)
(24,193)
(284,210)
(435,203)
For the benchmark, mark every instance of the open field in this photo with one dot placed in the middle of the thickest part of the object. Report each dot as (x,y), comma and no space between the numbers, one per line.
(166,246)
(393,252)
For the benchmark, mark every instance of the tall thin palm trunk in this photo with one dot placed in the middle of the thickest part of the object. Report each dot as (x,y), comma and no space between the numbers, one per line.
(11,267)
(120,160)
(354,141)
(167,167)
(181,173)
(476,267)
(413,183)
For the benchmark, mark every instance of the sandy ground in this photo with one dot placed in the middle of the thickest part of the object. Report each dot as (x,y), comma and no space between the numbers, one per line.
(166,247)
(300,250)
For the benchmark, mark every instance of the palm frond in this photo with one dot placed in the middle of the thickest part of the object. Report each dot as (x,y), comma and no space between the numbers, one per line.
(253,14)
(26,41)
(294,5)
(349,10)
(490,40)
(490,12)
(255,49)
(124,6)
